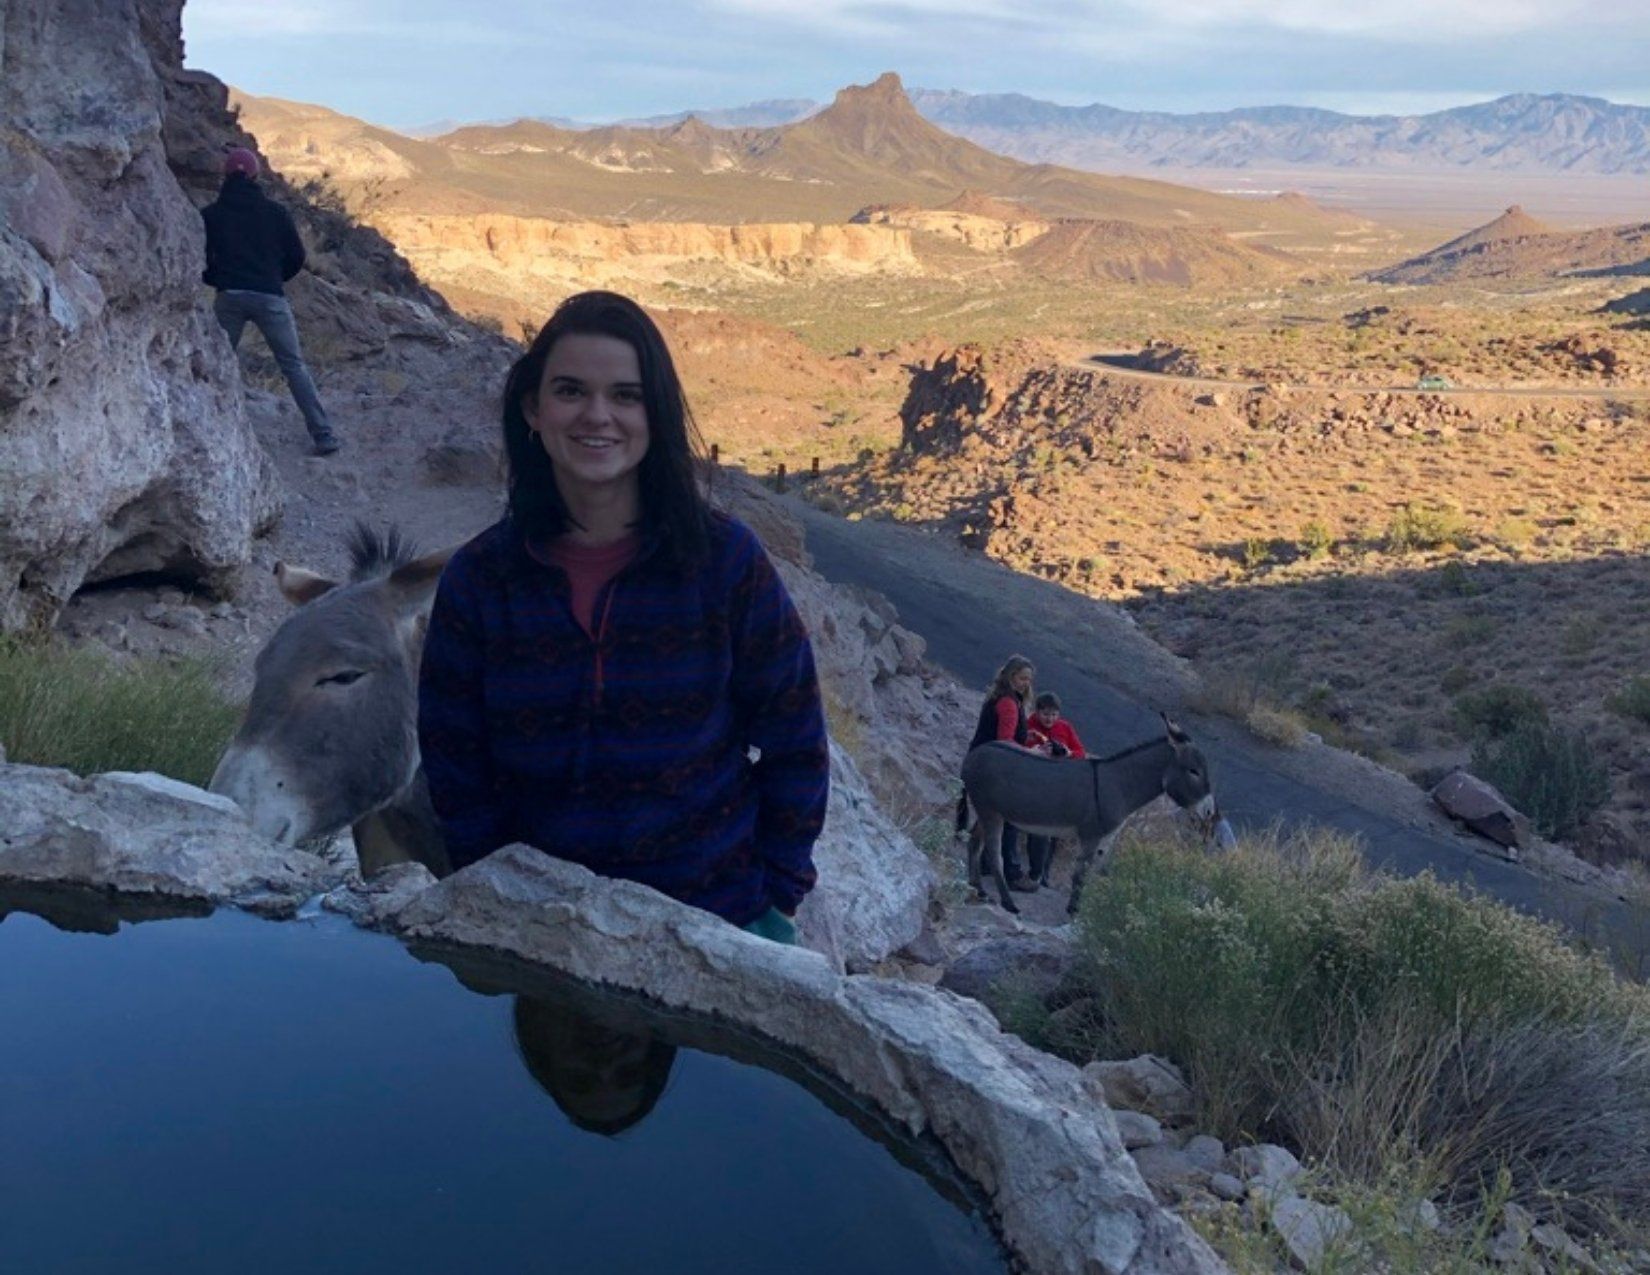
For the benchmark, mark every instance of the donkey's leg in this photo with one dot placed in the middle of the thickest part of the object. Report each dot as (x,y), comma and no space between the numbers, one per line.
(1087,847)
(994,860)
(976,843)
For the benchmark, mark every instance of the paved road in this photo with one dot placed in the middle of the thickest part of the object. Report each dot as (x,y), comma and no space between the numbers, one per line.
(945,594)
(1122,363)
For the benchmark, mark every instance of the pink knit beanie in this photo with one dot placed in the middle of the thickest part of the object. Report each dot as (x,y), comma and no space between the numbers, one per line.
(237,159)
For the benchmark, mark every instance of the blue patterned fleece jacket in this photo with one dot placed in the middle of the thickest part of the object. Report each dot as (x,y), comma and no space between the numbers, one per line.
(627,752)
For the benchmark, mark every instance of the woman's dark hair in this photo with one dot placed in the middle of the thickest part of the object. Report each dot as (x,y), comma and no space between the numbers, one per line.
(673,503)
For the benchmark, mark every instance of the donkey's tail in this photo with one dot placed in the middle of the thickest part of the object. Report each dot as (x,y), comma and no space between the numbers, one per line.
(962,812)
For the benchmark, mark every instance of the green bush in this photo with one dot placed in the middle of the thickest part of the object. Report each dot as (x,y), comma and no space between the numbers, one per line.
(1551,775)
(1368,1021)
(1315,541)
(84,712)
(1499,710)
(1416,527)
(1632,700)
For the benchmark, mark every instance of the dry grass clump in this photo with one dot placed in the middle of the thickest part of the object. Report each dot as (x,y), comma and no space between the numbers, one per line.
(1280,727)
(1253,695)
(86,713)
(1369,1021)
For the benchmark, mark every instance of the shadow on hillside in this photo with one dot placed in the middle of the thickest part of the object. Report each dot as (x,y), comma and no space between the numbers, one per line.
(1376,649)
(1376,661)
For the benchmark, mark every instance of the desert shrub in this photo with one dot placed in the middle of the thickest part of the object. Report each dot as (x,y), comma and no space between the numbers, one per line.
(1551,775)
(1369,1021)
(1499,710)
(1581,635)
(1416,527)
(1467,630)
(1456,678)
(86,713)
(1632,700)
(1456,580)
(1315,541)
(1516,533)
(1255,552)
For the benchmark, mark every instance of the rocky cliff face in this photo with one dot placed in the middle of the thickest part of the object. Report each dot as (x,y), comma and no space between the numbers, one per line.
(595,254)
(124,446)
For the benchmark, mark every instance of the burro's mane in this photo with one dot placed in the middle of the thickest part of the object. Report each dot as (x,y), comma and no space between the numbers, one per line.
(374,553)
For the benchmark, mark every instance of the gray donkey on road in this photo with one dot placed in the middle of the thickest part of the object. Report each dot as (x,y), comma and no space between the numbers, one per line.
(1087,798)
(330,738)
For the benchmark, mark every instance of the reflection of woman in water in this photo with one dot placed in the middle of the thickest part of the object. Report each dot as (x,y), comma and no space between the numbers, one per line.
(604,1074)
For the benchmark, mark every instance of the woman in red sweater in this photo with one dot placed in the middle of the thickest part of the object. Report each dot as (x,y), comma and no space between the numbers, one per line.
(1003,716)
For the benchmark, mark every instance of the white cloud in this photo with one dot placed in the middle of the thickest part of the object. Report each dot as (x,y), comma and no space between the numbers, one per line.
(1400,18)
(1134,21)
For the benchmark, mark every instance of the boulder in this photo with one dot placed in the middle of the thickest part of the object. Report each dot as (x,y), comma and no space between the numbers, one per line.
(1147,1083)
(1271,1168)
(1137,1129)
(1018,1123)
(1033,962)
(1309,1229)
(874,884)
(1477,804)
(146,835)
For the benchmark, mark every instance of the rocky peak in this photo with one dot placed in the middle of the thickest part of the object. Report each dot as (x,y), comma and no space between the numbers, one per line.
(881,106)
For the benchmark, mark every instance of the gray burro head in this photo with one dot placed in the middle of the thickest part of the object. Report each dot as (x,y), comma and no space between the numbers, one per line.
(331,731)
(1186,780)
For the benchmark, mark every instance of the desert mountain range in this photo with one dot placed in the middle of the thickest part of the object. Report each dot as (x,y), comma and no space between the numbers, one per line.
(1520,132)
(870,146)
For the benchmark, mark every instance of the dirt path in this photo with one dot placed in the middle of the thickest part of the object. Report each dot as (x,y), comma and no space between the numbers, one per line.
(1112,678)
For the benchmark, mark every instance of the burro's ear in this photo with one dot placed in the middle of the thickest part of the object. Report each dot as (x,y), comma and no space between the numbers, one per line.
(1176,735)
(412,584)
(299,586)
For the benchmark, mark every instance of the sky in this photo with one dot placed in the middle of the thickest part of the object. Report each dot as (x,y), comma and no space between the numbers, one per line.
(404,63)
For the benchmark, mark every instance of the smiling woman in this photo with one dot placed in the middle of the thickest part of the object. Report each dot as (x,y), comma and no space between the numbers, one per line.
(601,663)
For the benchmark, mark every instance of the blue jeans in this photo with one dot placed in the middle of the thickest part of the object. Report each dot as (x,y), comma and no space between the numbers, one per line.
(272,316)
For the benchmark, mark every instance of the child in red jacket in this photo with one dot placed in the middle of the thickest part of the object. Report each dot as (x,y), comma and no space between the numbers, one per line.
(1048,732)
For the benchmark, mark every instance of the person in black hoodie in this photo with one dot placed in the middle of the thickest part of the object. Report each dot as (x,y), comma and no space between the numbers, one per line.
(252,249)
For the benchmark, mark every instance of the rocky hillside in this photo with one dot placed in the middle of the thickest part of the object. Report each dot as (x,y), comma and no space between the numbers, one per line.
(1122,252)
(1517,246)
(1401,541)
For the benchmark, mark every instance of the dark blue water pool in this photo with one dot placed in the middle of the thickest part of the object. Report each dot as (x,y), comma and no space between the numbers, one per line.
(228,1094)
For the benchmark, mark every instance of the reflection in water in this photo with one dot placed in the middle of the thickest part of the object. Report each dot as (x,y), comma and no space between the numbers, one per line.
(226,1093)
(604,1072)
